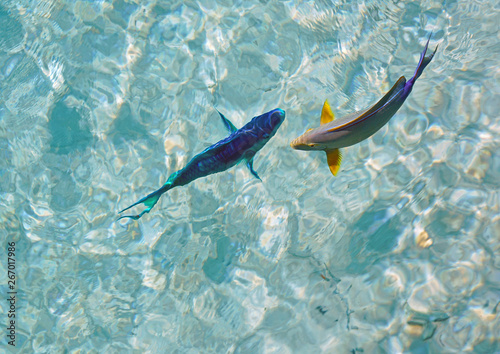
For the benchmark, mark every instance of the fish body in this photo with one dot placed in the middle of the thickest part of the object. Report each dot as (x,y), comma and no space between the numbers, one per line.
(241,145)
(355,127)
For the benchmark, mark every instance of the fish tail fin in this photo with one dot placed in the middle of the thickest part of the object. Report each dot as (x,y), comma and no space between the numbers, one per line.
(149,201)
(424,61)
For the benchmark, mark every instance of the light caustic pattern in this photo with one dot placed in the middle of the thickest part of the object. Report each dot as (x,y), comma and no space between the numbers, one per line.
(101,101)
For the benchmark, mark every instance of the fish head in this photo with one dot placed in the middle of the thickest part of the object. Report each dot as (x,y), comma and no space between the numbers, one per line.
(312,139)
(268,123)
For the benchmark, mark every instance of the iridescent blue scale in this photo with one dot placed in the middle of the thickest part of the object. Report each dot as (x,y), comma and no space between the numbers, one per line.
(240,145)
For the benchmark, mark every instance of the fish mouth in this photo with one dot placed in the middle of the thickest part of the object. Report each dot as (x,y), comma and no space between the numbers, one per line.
(278,116)
(297,145)
(280,112)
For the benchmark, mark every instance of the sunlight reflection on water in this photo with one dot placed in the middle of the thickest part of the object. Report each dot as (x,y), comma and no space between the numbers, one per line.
(101,101)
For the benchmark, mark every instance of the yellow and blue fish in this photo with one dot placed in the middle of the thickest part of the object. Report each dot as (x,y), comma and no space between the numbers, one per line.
(241,145)
(353,128)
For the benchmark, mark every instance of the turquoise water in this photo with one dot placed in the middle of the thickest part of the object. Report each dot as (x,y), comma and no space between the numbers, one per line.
(101,101)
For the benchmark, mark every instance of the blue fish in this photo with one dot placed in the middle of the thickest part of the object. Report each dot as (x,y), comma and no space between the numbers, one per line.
(240,145)
(332,134)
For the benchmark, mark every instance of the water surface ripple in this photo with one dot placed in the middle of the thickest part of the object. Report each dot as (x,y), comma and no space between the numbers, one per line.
(101,101)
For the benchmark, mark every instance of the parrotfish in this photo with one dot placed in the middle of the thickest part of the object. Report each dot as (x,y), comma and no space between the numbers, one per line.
(353,128)
(241,145)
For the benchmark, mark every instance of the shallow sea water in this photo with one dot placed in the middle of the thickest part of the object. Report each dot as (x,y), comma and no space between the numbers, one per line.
(101,101)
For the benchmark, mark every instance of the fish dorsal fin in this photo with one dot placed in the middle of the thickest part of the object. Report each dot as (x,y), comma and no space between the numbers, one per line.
(334,158)
(326,114)
(227,123)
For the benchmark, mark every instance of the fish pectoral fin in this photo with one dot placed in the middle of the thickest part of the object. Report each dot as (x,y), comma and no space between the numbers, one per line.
(326,113)
(250,167)
(334,158)
(227,123)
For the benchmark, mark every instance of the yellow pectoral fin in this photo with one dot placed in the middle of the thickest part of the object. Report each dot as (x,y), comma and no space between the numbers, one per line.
(334,158)
(326,114)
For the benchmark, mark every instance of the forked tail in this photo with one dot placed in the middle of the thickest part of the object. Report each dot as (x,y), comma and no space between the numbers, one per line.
(149,201)
(424,61)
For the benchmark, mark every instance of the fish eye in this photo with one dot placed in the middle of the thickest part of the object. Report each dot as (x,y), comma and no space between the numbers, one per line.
(275,118)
